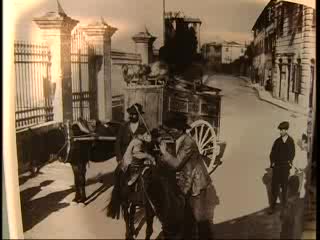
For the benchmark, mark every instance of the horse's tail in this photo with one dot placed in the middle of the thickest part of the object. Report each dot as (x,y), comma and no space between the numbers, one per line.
(114,206)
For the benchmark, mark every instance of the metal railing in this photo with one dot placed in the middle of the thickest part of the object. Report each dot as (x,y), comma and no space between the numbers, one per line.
(83,77)
(33,87)
(118,107)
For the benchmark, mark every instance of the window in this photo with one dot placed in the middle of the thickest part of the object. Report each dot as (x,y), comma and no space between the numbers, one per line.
(280,19)
(227,49)
(312,84)
(298,17)
(290,13)
(314,17)
(297,77)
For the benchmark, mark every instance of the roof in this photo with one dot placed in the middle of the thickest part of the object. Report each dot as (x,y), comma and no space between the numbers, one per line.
(308,3)
(271,2)
(223,42)
(192,20)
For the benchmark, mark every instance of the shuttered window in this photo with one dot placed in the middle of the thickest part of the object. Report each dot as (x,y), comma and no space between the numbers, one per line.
(299,18)
(280,20)
(290,15)
(297,78)
(314,17)
(311,86)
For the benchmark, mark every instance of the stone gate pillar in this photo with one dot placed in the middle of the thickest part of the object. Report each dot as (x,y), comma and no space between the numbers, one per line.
(99,35)
(144,46)
(56,30)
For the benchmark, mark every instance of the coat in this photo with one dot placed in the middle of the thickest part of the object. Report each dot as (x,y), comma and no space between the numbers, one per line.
(124,137)
(194,180)
(282,153)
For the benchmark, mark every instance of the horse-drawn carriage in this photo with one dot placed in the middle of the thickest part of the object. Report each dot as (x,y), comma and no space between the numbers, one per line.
(200,103)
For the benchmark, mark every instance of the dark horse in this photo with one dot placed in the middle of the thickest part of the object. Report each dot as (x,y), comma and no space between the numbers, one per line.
(161,197)
(84,146)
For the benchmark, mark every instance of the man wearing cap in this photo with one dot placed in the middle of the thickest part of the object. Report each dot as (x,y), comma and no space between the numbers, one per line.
(129,130)
(194,180)
(126,133)
(281,158)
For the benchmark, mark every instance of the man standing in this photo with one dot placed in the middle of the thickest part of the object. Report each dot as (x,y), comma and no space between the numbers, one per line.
(129,130)
(281,157)
(126,133)
(193,179)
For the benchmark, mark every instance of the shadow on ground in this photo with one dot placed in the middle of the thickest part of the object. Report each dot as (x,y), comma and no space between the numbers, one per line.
(24,179)
(107,182)
(35,211)
(258,225)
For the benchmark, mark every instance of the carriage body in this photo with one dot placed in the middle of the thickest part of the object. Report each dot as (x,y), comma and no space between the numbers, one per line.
(201,106)
(160,102)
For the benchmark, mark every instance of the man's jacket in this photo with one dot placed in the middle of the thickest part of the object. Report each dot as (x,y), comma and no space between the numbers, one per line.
(282,153)
(193,174)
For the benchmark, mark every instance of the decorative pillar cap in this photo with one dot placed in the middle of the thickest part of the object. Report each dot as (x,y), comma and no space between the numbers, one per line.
(144,37)
(56,20)
(98,28)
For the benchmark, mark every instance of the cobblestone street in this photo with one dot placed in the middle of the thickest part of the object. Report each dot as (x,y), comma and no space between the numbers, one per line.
(249,127)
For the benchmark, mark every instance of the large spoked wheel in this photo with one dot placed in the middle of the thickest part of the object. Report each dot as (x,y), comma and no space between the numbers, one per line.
(206,139)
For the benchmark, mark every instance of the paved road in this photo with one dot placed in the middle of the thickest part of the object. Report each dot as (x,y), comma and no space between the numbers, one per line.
(248,125)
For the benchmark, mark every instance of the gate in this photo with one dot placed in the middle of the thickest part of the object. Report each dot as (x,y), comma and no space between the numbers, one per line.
(84,83)
(33,91)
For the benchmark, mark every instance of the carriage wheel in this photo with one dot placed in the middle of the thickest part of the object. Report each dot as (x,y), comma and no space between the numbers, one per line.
(206,139)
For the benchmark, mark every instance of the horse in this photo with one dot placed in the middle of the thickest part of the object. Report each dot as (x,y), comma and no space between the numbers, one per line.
(44,147)
(81,151)
(160,196)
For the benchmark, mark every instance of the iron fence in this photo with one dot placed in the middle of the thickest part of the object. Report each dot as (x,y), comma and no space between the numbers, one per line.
(83,77)
(33,87)
(118,108)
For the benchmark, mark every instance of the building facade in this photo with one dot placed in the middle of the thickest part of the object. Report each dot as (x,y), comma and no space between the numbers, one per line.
(218,54)
(264,45)
(284,39)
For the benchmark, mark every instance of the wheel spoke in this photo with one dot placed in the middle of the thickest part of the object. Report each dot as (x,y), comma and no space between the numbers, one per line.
(196,133)
(210,139)
(205,136)
(208,148)
(200,136)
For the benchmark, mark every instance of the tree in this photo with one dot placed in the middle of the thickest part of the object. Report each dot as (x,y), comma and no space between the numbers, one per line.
(181,49)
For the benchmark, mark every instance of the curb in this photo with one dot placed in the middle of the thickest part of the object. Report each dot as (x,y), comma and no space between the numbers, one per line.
(249,84)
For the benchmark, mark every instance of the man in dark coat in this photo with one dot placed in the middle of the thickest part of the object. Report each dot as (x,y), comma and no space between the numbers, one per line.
(126,133)
(129,130)
(281,158)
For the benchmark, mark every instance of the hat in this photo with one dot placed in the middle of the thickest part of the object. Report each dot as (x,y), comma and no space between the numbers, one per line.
(283,125)
(133,109)
(178,121)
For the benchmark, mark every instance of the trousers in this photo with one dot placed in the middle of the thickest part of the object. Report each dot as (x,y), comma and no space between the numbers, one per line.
(280,178)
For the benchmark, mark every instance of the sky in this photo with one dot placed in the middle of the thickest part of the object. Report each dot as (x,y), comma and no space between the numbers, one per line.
(229,20)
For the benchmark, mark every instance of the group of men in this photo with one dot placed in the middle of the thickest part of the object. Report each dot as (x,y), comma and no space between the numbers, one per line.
(193,179)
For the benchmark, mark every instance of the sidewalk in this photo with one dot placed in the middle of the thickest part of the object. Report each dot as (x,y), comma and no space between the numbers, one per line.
(266,96)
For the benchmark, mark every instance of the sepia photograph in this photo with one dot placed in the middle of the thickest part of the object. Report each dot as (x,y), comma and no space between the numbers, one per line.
(166,119)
